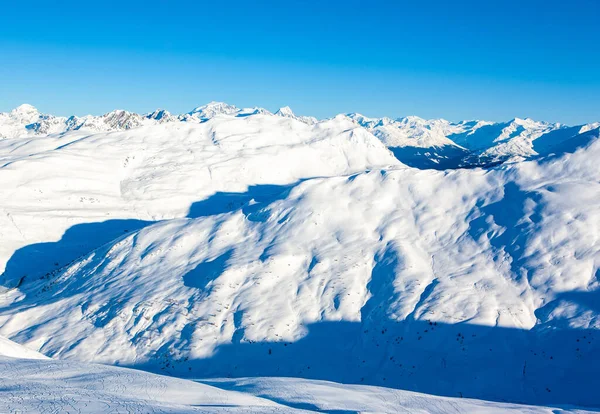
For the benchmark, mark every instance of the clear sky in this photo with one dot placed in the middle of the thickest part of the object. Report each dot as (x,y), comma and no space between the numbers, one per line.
(484,59)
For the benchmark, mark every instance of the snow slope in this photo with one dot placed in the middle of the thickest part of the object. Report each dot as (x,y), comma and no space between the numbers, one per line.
(32,382)
(53,183)
(35,386)
(12,349)
(264,246)
(325,396)
(69,387)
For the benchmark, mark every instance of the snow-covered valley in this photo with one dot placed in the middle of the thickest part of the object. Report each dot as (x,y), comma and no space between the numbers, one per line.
(244,244)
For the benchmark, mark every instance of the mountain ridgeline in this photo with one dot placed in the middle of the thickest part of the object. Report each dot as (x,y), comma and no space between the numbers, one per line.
(419,143)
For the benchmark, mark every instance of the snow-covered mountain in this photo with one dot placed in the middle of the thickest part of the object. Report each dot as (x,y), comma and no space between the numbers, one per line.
(208,111)
(287,112)
(440,144)
(244,243)
(417,142)
(26,120)
(420,143)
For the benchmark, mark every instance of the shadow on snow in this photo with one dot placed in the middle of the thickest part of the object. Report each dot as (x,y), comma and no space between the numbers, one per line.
(545,365)
(42,259)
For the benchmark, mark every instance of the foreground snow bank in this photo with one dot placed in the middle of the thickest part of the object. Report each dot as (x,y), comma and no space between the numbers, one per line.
(331,397)
(29,385)
(65,387)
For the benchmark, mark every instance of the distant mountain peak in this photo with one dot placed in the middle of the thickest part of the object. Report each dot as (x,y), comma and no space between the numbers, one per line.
(209,110)
(411,119)
(25,108)
(215,106)
(159,115)
(285,111)
(25,112)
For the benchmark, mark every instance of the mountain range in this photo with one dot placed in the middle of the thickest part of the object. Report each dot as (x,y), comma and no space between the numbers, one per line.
(420,143)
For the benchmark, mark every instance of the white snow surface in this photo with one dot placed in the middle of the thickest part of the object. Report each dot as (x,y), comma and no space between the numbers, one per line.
(262,245)
(33,386)
(36,386)
(326,396)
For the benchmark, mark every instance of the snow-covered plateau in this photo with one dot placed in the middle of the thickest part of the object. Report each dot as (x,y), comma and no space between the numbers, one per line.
(268,262)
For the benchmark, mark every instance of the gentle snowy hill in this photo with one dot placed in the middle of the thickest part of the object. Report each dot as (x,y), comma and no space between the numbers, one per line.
(262,245)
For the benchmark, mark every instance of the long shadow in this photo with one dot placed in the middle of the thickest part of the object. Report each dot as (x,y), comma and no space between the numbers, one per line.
(40,260)
(540,366)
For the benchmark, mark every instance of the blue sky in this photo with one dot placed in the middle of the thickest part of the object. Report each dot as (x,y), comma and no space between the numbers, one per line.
(485,59)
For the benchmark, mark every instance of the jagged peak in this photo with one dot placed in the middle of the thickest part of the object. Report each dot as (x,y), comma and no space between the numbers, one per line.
(119,112)
(158,114)
(285,111)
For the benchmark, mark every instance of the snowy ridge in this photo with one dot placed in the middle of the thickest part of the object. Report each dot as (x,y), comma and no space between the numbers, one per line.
(13,350)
